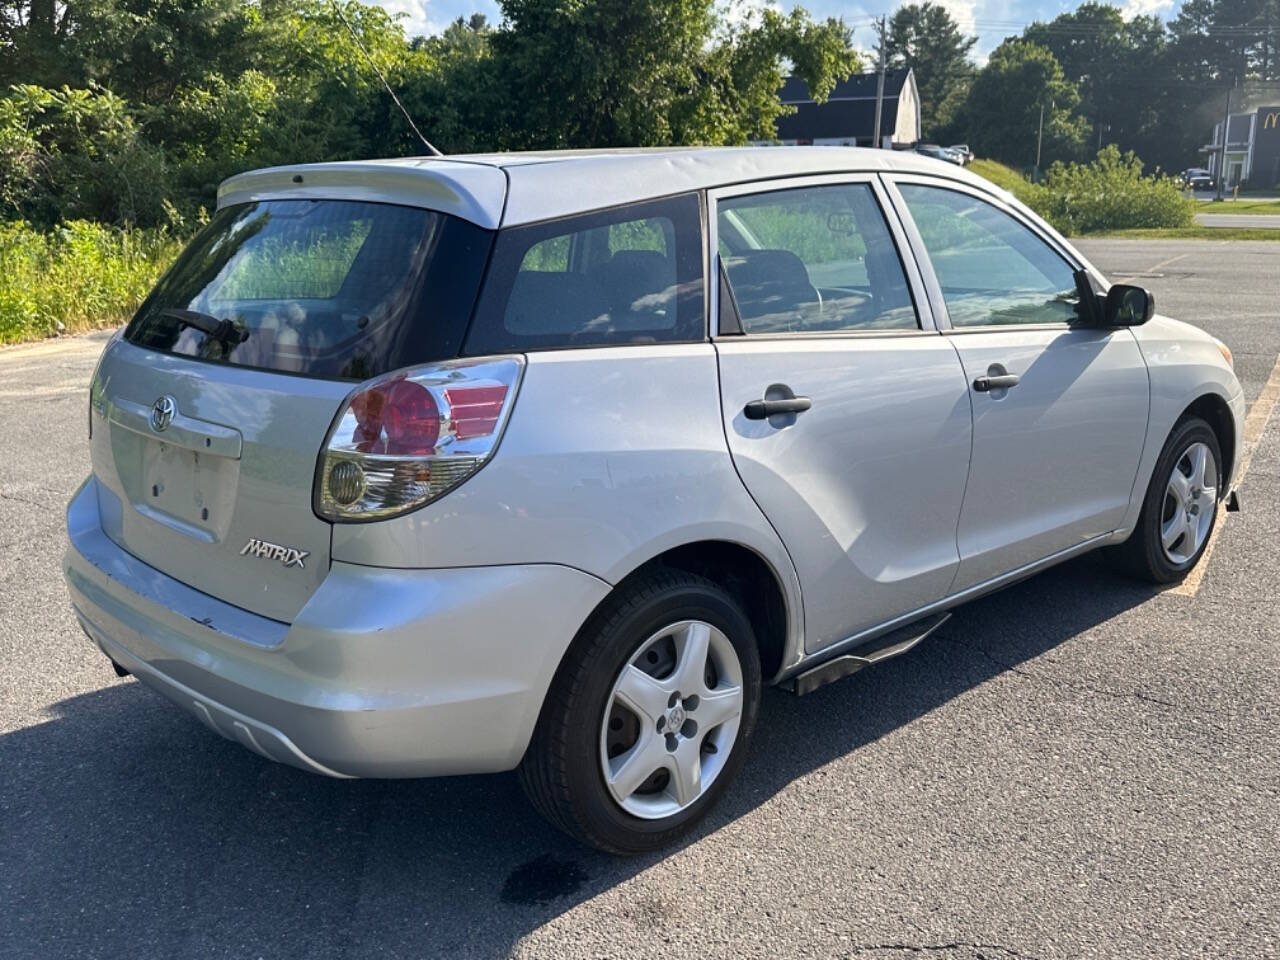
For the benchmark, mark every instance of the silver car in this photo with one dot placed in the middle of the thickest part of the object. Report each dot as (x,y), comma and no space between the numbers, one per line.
(551,462)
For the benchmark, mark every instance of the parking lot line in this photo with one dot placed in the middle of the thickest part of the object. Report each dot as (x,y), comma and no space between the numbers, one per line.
(1254,425)
(1149,270)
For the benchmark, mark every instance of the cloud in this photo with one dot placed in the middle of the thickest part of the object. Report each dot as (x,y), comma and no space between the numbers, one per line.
(1134,8)
(430,17)
(963,12)
(412,15)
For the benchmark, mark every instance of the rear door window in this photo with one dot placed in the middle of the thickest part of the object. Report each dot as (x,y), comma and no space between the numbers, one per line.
(626,275)
(326,288)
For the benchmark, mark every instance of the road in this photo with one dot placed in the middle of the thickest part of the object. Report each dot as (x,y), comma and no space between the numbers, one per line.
(1257,221)
(1079,766)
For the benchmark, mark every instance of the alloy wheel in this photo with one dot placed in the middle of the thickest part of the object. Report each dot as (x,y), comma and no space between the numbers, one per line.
(1190,503)
(671,719)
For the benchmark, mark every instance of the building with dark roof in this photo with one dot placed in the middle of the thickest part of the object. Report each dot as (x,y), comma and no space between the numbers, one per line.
(848,116)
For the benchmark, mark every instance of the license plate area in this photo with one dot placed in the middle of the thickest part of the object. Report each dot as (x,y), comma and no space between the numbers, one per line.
(193,493)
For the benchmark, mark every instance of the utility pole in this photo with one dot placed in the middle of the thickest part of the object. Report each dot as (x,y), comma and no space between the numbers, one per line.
(1222,153)
(879,86)
(1039,141)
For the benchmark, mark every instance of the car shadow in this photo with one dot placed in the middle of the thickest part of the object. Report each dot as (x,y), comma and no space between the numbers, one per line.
(126,830)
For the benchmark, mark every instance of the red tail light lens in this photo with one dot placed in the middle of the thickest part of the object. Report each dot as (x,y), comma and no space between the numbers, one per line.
(405,439)
(399,418)
(476,410)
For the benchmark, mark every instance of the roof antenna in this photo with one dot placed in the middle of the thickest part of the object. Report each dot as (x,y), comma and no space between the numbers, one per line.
(354,36)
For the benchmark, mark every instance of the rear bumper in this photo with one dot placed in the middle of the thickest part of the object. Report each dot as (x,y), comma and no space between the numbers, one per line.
(384,672)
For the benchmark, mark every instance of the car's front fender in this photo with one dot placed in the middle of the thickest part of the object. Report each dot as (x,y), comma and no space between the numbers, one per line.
(1185,364)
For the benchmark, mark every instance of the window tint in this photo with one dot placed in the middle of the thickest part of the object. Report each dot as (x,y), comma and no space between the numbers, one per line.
(628,275)
(325,288)
(992,268)
(813,259)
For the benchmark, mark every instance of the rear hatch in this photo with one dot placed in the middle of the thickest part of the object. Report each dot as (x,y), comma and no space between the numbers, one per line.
(209,413)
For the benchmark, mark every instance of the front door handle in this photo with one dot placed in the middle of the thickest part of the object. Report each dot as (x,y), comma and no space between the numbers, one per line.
(763,409)
(1002,382)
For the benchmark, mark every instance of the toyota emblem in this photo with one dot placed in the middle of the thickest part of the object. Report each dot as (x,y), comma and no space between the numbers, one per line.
(162,413)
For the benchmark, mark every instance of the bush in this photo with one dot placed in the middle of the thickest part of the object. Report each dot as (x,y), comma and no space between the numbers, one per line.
(78,154)
(79,276)
(1109,194)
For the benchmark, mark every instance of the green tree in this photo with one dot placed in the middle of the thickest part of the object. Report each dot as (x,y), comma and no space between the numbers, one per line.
(1002,112)
(644,72)
(1120,69)
(68,154)
(1234,40)
(597,73)
(459,98)
(32,33)
(924,37)
(736,96)
(132,108)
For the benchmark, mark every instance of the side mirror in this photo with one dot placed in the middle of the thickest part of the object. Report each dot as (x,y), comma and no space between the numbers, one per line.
(1128,306)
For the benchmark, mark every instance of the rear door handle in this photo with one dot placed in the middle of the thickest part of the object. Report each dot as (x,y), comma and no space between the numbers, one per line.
(763,409)
(1001,382)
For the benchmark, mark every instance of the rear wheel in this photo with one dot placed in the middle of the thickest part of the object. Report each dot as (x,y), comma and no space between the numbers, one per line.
(648,718)
(1180,508)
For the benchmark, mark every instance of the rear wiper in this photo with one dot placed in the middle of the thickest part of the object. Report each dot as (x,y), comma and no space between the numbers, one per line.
(224,331)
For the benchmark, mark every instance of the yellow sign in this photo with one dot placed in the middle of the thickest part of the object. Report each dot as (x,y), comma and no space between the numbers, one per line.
(1270,120)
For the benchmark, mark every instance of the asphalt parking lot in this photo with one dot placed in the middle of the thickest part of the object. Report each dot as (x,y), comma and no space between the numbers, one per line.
(1077,767)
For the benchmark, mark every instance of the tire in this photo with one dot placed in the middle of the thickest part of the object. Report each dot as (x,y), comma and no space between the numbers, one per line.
(1145,554)
(590,715)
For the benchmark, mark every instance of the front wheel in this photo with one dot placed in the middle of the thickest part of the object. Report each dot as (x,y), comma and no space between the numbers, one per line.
(1180,508)
(649,716)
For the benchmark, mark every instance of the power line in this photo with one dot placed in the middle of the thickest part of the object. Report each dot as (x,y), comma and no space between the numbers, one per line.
(354,36)
(1259,29)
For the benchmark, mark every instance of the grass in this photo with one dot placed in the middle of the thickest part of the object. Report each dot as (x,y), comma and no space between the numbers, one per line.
(1005,177)
(1193,233)
(1271,207)
(76,277)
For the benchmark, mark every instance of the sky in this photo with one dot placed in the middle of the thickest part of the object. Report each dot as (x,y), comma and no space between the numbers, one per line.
(990,20)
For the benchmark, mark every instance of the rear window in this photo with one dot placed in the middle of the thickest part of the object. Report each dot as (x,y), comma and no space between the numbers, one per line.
(327,288)
(627,275)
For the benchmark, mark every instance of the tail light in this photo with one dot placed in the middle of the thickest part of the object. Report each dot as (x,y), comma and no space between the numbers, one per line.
(404,439)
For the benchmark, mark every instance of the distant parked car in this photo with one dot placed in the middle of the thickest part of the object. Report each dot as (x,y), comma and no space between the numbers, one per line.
(1197,178)
(962,149)
(939,153)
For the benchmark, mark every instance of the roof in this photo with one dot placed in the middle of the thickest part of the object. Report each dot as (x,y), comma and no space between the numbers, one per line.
(850,111)
(506,189)
(859,86)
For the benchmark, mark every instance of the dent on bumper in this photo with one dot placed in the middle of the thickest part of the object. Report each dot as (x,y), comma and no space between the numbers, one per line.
(384,673)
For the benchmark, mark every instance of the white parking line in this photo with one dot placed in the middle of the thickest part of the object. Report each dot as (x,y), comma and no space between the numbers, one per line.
(1142,273)
(1254,425)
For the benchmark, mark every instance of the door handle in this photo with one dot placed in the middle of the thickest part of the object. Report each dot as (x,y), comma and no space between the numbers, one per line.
(1002,382)
(763,409)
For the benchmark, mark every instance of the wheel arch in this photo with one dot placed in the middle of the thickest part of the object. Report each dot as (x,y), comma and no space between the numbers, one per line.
(751,579)
(1215,411)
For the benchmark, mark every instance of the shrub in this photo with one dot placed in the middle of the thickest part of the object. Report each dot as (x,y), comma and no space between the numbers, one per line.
(79,276)
(1109,194)
(69,154)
